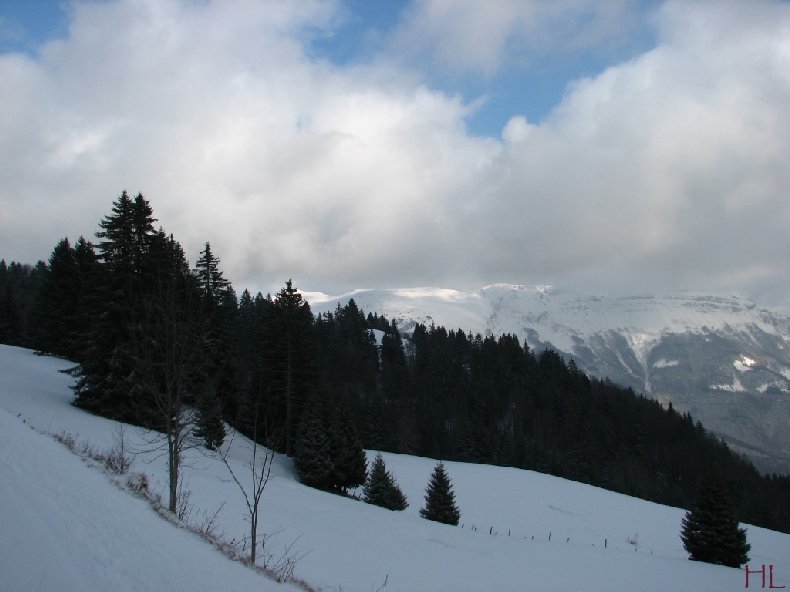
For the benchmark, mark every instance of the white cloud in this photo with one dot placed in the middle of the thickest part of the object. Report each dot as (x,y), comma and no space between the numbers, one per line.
(666,171)
(482,37)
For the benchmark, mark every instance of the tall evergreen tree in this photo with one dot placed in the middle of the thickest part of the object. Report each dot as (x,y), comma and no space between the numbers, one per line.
(10,324)
(314,459)
(246,352)
(710,531)
(289,366)
(394,375)
(381,489)
(219,308)
(88,292)
(210,278)
(105,375)
(440,499)
(58,302)
(349,467)
(20,285)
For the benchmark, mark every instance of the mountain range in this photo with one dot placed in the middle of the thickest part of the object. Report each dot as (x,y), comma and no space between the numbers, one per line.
(723,359)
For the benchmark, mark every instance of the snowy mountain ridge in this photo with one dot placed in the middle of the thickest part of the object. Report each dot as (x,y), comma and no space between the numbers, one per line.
(722,358)
(547,316)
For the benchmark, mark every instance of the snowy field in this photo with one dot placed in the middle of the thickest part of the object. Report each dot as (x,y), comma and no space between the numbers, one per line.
(67,527)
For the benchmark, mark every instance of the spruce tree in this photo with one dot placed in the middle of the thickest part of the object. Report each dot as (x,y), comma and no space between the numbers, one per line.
(89,276)
(212,282)
(218,310)
(381,489)
(10,325)
(56,299)
(710,531)
(349,456)
(60,302)
(289,365)
(313,458)
(209,426)
(106,376)
(440,499)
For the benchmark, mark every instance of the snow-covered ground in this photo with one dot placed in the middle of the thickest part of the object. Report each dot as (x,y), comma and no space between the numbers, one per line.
(66,526)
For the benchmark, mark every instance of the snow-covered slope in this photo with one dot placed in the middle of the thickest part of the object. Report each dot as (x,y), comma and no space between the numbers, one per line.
(65,526)
(724,359)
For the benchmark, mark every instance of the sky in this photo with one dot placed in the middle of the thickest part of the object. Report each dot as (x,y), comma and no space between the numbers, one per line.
(614,147)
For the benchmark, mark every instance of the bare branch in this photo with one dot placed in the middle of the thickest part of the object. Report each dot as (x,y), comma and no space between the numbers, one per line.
(260,465)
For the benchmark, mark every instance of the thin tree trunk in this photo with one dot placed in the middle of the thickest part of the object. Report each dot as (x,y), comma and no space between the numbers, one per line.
(289,399)
(174,461)
(253,535)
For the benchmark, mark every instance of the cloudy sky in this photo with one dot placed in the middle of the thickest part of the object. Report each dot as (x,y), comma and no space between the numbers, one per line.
(608,147)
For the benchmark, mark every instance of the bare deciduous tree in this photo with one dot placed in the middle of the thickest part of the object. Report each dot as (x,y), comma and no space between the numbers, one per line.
(260,465)
(168,357)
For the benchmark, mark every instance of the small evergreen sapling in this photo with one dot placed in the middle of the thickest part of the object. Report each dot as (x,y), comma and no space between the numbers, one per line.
(381,489)
(440,499)
(710,530)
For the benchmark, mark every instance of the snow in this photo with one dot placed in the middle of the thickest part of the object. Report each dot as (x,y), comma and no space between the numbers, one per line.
(67,526)
(378,335)
(558,316)
(663,363)
(744,363)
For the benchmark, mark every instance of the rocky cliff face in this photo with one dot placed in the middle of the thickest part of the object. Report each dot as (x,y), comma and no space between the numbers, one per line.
(723,359)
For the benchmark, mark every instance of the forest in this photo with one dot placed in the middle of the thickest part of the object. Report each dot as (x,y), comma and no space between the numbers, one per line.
(151,335)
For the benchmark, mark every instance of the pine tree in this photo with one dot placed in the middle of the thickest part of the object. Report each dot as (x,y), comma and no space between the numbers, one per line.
(440,499)
(349,456)
(105,374)
(209,426)
(89,277)
(58,302)
(289,366)
(313,458)
(381,489)
(212,283)
(218,308)
(137,264)
(710,531)
(394,376)
(10,325)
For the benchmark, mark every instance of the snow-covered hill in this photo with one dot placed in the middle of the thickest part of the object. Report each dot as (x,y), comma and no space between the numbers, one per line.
(67,527)
(723,359)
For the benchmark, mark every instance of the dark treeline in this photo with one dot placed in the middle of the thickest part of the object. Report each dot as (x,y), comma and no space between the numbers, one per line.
(144,327)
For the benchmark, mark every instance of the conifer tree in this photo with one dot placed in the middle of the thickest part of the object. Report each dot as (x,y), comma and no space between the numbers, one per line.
(212,282)
(440,499)
(10,326)
(89,276)
(208,423)
(289,367)
(105,374)
(349,456)
(218,307)
(394,376)
(246,341)
(313,458)
(60,300)
(710,531)
(381,489)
